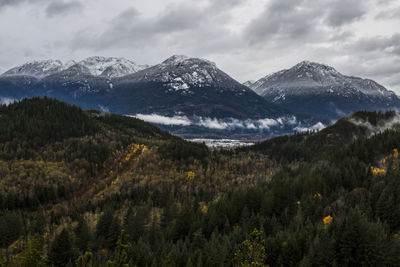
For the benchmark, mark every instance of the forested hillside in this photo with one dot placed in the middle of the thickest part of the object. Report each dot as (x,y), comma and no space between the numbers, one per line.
(92,189)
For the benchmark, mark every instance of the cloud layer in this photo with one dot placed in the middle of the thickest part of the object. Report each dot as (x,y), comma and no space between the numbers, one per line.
(247,39)
(380,127)
(158,119)
(6,101)
(266,124)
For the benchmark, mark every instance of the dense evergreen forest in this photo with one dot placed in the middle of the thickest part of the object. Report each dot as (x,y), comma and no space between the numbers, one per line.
(87,188)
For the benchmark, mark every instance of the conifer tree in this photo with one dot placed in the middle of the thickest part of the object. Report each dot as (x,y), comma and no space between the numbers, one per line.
(61,251)
(252,251)
(120,255)
(32,256)
(85,260)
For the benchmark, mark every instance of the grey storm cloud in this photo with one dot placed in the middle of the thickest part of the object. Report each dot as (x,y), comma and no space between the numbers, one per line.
(283,19)
(63,7)
(4,3)
(184,22)
(223,4)
(344,12)
(7,2)
(129,28)
(55,7)
(304,20)
(382,44)
(126,16)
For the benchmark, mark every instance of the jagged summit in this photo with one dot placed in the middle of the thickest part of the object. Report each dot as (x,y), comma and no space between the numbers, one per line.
(175,59)
(110,66)
(305,73)
(182,60)
(308,63)
(37,68)
(315,66)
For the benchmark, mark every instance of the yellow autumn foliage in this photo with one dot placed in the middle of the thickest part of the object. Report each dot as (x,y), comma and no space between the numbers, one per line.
(131,152)
(190,175)
(327,220)
(395,153)
(204,209)
(377,171)
(318,196)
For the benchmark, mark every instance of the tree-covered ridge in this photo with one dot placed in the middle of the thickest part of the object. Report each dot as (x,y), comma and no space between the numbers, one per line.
(313,145)
(40,121)
(129,194)
(54,149)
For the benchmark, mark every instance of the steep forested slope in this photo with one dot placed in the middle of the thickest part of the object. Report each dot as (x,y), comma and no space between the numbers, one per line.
(61,167)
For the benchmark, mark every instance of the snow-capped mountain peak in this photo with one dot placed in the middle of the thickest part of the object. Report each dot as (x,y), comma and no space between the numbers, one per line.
(180,73)
(314,66)
(38,69)
(181,60)
(309,77)
(110,66)
(175,59)
(308,85)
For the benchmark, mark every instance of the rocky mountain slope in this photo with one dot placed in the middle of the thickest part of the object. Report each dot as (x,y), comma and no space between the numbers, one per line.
(322,91)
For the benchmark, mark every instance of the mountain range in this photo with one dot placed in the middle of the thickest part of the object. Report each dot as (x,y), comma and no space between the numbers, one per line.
(96,66)
(193,98)
(177,85)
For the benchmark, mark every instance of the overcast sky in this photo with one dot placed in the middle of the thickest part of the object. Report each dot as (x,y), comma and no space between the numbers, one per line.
(246,38)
